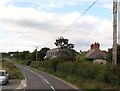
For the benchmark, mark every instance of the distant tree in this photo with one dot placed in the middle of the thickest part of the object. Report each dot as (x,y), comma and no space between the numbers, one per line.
(63,43)
(33,58)
(66,48)
(109,55)
(15,54)
(24,55)
(28,55)
(109,58)
(42,53)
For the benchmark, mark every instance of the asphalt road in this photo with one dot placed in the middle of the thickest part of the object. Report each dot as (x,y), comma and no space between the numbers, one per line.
(40,80)
(13,84)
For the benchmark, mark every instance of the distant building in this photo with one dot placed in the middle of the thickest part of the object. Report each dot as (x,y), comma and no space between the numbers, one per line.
(99,61)
(11,55)
(52,53)
(95,52)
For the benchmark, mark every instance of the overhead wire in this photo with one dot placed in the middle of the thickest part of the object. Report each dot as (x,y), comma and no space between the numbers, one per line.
(78,17)
(71,23)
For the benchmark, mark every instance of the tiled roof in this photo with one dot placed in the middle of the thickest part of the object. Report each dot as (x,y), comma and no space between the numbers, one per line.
(96,54)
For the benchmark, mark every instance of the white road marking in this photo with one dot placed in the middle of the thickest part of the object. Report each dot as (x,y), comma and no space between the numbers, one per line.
(46,81)
(40,76)
(53,88)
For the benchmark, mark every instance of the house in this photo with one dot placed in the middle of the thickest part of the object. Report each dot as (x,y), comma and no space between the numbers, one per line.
(99,61)
(52,53)
(95,52)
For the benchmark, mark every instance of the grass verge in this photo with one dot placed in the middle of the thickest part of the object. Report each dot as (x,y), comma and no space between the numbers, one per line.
(14,72)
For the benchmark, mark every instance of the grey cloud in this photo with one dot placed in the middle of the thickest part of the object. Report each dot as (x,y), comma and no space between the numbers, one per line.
(43,26)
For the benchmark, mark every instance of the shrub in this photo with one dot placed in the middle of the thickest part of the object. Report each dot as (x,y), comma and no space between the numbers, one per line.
(71,78)
(91,71)
(79,68)
(105,73)
(115,76)
(67,67)
(35,64)
(81,57)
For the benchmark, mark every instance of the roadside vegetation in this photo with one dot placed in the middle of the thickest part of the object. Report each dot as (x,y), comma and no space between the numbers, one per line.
(14,72)
(75,68)
(81,73)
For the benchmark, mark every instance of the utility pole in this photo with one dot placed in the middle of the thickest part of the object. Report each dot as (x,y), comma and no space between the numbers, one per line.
(36,52)
(114,58)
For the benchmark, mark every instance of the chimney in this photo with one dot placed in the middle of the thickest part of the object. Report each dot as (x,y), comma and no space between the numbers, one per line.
(91,46)
(96,45)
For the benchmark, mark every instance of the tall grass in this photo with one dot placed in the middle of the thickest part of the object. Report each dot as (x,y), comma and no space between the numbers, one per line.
(12,70)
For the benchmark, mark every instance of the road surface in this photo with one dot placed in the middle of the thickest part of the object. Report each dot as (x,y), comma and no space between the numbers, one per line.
(13,84)
(40,80)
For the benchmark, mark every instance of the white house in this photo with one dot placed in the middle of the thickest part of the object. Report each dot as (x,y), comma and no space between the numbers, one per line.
(52,53)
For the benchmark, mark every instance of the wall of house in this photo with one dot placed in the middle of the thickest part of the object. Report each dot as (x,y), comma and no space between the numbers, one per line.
(52,53)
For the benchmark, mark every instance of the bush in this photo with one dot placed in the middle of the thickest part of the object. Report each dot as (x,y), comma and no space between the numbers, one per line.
(81,57)
(35,64)
(79,68)
(67,67)
(115,76)
(71,78)
(105,73)
(91,71)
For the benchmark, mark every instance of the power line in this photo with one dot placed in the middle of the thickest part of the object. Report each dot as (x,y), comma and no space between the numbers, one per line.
(73,21)
(78,17)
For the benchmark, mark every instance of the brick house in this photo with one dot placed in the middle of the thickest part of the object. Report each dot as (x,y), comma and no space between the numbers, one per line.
(95,52)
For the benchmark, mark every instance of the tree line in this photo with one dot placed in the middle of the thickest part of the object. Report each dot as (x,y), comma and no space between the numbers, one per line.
(65,49)
(26,55)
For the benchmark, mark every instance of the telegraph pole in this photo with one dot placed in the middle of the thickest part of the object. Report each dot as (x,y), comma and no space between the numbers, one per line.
(36,52)
(114,58)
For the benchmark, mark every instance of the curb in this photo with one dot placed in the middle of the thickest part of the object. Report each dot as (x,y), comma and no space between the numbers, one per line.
(23,83)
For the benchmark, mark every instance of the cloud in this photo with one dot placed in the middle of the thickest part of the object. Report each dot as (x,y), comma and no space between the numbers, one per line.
(25,28)
(4,2)
(106,5)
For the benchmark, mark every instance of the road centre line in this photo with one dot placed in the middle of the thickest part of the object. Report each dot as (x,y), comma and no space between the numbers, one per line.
(53,88)
(46,81)
(40,76)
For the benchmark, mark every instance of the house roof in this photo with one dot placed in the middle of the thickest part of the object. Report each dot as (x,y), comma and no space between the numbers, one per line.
(96,54)
(53,50)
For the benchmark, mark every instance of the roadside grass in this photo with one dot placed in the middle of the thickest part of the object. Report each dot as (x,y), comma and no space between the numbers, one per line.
(14,72)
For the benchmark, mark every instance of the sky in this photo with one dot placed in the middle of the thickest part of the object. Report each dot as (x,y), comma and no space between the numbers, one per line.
(25,24)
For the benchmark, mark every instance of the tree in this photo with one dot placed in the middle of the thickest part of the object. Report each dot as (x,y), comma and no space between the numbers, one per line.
(63,43)
(109,55)
(109,58)
(66,48)
(33,58)
(42,53)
